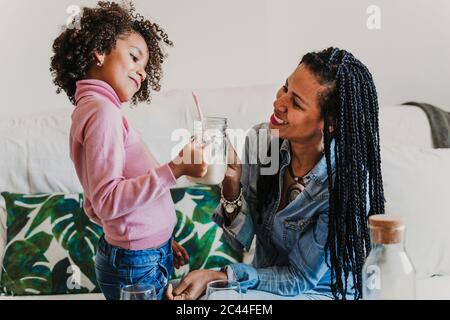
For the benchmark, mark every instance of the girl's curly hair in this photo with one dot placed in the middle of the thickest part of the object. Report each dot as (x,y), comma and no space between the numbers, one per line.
(100,28)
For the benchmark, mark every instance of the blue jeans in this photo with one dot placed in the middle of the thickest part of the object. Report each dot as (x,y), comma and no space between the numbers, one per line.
(117,267)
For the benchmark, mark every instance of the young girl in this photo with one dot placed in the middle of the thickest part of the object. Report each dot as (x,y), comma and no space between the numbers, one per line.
(115,56)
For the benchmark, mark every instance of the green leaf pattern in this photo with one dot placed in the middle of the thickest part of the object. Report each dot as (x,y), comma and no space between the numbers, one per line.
(196,231)
(42,230)
(47,234)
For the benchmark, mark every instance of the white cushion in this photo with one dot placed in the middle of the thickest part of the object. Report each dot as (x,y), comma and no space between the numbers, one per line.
(13,164)
(404,125)
(416,185)
(37,152)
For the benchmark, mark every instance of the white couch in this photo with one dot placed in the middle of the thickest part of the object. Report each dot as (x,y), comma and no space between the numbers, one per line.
(35,159)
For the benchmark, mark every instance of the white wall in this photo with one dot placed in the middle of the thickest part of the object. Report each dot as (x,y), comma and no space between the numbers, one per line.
(409,56)
(244,42)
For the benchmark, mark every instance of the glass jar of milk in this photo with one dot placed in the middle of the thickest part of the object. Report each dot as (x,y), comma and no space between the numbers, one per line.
(211,132)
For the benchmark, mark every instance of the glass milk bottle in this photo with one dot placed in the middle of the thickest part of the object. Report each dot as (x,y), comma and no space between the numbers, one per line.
(388,273)
(211,132)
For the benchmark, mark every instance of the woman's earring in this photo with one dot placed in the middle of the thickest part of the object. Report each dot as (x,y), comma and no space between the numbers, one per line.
(100,63)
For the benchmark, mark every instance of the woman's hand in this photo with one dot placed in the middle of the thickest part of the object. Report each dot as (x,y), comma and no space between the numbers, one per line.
(232,183)
(180,255)
(193,285)
(190,161)
(234,168)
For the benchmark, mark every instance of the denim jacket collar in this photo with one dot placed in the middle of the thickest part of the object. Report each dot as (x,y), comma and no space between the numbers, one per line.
(319,173)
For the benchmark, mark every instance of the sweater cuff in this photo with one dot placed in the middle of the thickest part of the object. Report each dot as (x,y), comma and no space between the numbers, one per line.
(166,175)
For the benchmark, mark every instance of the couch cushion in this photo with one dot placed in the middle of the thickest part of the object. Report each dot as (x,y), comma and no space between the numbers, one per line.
(416,184)
(404,125)
(50,245)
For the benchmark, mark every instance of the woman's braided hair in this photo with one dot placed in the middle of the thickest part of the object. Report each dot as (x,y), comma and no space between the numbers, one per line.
(349,103)
(100,28)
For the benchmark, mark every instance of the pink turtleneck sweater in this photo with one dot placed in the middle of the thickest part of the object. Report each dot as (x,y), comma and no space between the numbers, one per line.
(125,190)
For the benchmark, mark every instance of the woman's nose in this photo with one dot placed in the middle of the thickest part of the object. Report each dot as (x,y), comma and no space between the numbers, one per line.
(280,104)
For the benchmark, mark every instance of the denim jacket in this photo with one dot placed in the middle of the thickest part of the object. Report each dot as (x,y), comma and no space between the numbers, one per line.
(290,257)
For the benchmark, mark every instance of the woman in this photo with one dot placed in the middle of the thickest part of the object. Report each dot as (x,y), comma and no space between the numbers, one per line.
(310,217)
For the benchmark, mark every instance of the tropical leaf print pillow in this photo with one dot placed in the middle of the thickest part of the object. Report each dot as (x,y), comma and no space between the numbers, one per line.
(50,245)
(196,231)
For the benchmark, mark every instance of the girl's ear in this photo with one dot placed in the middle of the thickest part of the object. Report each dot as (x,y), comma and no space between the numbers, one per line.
(99,58)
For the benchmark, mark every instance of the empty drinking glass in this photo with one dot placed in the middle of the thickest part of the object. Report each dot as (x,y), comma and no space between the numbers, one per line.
(223,290)
(138,292)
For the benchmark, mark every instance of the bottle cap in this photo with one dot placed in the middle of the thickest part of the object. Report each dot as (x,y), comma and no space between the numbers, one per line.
(386,229)
(386,221)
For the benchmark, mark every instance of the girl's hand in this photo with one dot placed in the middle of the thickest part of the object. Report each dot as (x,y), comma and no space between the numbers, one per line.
(180,255)
(190,161)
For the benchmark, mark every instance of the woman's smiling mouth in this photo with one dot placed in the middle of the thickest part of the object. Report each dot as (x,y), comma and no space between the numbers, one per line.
(277,121)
